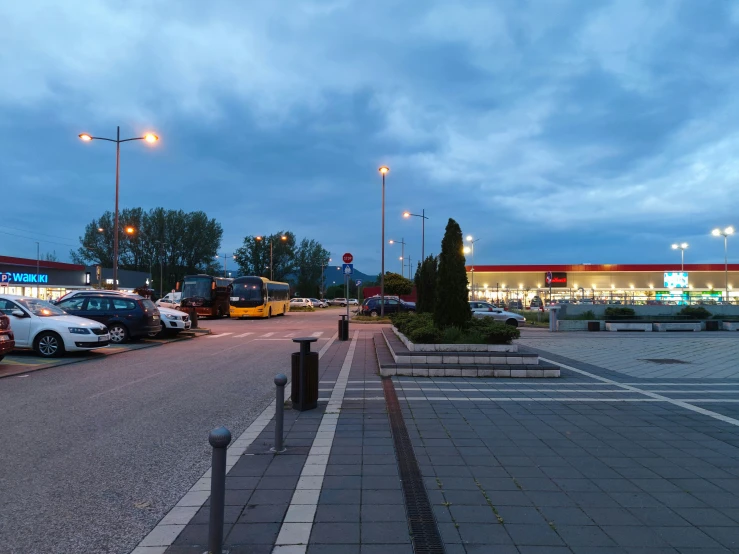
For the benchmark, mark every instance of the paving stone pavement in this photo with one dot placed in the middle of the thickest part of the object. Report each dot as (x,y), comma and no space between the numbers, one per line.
(580,464)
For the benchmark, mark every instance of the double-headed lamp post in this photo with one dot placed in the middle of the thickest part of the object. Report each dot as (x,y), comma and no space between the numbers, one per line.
(682,247)
(401,242)
(383,171)
(148,137)
(423,217)
(271,269)
(471,250)
(225,259)
(725,233)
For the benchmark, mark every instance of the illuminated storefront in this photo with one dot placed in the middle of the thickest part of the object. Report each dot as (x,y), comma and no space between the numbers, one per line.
(47,280)
(627,283)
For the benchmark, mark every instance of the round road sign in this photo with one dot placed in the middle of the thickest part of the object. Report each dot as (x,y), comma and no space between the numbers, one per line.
(347,258)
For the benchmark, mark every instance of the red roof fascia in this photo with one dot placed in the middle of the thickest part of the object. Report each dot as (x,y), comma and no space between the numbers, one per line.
(601,268)
(41,263)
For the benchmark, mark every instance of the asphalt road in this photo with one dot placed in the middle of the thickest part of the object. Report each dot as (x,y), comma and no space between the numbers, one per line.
(95,453)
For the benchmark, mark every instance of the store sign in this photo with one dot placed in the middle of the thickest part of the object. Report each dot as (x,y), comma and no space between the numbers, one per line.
(676,279)
(24,278)
(555,279)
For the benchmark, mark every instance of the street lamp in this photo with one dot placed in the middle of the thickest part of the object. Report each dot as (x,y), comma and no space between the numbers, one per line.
(423,217)
(725,233)
(225,259)
(383,171)
(401,242)
(271,269)
(682,247)
(323,288)
(148,137)
(467,250)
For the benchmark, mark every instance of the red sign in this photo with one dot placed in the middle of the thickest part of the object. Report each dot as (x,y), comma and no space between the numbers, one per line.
(347,258)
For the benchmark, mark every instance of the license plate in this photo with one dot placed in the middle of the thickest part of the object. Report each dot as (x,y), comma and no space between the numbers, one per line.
(103,338)
(234,299)
(4,338)
(156,318)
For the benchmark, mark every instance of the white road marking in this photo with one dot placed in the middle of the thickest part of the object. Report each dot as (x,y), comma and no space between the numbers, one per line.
(265,335)
(681,403)
(296,528)
(127,384)
(242,335)
(172,524)
(317,334)
(217,336)
(289,335)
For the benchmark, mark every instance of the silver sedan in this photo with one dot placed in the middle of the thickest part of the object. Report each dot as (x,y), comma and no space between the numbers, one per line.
(485,309)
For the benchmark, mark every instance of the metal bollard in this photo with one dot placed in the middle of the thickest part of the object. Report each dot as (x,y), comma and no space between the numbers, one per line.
(219,439)
(280,381)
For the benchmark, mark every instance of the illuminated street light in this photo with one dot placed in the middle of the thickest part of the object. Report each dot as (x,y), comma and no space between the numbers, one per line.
(467,250)
(271,270)
(401,242)
(383,171)
(148,137)
(682,247)
(725,233)
(423,217)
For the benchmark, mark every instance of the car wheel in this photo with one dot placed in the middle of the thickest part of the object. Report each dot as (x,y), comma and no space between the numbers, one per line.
(118,333)
(269,313)
(512,322)
(157,333)
(343,305)
(374,313)
(1,358)
(49,345)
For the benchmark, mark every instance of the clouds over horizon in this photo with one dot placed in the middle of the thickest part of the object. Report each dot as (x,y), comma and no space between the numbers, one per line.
(557,131)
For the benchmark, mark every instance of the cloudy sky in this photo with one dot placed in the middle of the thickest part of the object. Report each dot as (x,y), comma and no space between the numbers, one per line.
(555,131)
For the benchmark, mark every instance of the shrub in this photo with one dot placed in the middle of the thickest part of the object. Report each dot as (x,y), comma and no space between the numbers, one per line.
(494,332)
(302,309)
(619,312)
(407,322)
(585,315)
(695,312)
(428,334)
(452,335)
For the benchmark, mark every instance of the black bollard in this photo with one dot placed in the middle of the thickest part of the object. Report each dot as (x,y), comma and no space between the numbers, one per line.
(219,439)
(307,385)
(280,381)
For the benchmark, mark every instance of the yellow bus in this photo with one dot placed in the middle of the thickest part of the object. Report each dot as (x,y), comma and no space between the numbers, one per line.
(258,297)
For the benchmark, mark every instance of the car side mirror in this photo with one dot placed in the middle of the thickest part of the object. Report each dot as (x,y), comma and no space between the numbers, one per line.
(18,313)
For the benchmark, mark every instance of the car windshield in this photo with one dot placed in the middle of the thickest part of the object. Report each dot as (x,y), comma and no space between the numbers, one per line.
(197,287)
(40,308)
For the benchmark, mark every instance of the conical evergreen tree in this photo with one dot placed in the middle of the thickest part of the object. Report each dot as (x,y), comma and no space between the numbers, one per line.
(426,285)
(452,309)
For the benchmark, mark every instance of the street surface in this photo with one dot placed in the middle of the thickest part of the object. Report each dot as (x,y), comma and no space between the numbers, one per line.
(95,453)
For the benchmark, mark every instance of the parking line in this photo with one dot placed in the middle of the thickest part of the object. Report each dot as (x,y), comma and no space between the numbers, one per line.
(218,336)
(242,335)
(317,334)
(267,335)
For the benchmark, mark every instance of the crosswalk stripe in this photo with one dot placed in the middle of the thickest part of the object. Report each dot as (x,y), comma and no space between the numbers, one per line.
(217,336)
(267,334)
(289,335)
(242,335)
(317,334)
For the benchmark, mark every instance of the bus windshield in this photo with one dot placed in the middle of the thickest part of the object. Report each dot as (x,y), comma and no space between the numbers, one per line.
(247,290)
(197,287)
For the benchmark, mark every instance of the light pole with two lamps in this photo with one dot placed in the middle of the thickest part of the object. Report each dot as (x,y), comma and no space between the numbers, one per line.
(225,259)
(271,268)
(148,137)
(682,247)
(423,217)
(725,233)
(401,242)
(467,250)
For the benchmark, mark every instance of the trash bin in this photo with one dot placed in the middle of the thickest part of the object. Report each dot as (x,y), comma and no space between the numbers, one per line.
(304,388)
(193,318)
(712,325)
(593,325)
(344,328)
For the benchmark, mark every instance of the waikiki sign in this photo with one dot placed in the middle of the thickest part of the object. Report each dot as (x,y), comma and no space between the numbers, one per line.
(23,278)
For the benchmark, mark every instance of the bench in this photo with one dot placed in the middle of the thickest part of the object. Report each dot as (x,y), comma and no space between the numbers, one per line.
(730,325)
(622,326)
(677,326)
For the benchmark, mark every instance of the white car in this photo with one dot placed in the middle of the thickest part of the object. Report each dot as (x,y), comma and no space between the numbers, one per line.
(48,330)
(301,303)
(318,303)
(170,300)
(173,321)
(485,309)
(353,302)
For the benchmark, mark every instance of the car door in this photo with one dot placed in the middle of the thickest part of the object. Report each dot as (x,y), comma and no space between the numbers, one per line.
(97,309)
(391,306)
(74,305)
(21,326)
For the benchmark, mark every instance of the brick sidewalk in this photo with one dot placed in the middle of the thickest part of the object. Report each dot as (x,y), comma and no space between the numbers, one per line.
(572,466)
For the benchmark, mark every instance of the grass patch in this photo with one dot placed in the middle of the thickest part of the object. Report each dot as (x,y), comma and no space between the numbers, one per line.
(302,309)
(370,319)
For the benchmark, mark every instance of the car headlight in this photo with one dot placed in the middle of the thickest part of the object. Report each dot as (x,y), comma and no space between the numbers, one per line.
(170,316)
(79,330)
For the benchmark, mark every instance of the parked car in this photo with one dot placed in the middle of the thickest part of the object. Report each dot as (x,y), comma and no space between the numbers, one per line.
(509,318)
(353,302)
(48,330)
(127,316)
(371,306)
(7,340)
(301,303)
(171,322)
(319,303)
(170,300)
(478,306)
(337,302)
(515,305)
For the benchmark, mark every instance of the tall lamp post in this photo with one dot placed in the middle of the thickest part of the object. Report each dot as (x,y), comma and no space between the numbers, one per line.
(467,250)
(161,267)
(682,247)
(271,269)
(401,242)
(225,259)
(423,217)
(383,171)
(725,233)
(148,137)
(323,287)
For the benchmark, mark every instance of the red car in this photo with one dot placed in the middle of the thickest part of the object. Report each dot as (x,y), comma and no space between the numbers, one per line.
(7,340)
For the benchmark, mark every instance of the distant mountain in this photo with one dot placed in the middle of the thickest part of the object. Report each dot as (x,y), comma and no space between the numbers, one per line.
(335,275)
